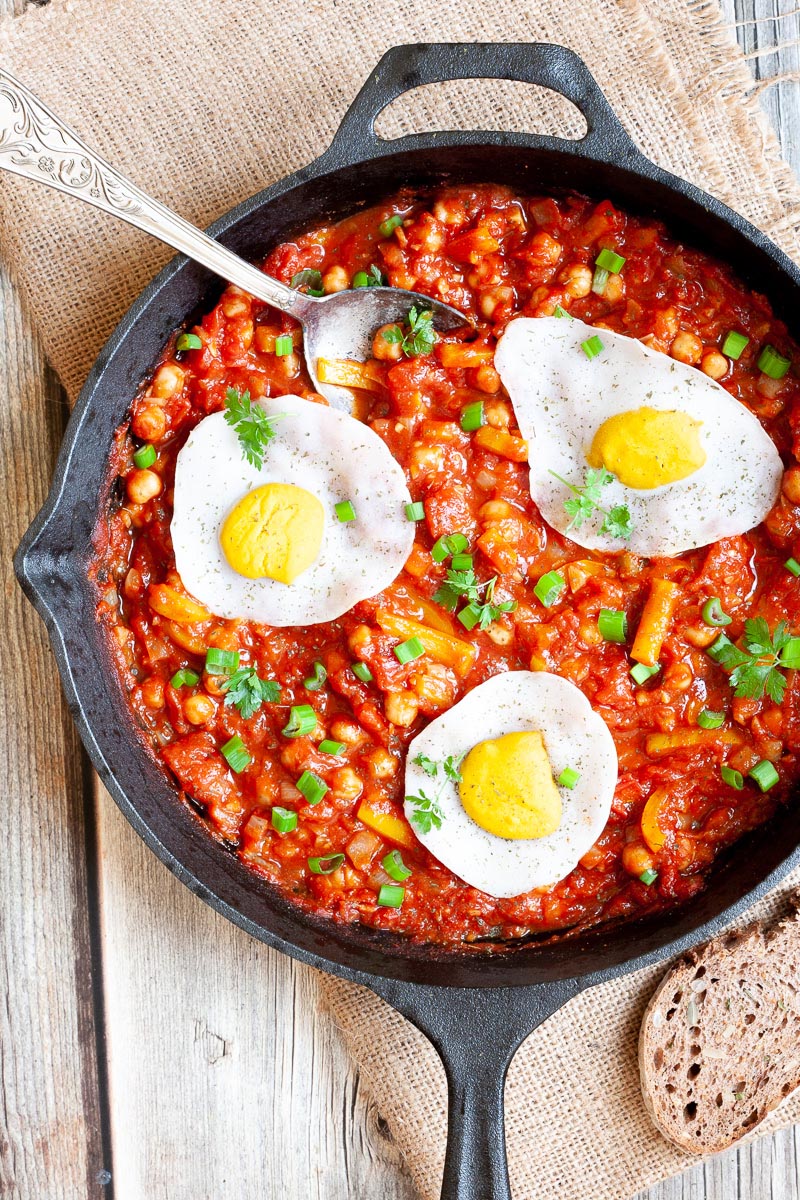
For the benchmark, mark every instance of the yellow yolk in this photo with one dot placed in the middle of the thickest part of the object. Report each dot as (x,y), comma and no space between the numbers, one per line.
(274,532)
(507,787)
(647,447)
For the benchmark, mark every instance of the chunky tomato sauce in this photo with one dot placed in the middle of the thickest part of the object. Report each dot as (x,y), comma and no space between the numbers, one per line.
(494,255)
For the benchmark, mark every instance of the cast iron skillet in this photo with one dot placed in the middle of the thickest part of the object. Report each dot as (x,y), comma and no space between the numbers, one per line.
(476,1008)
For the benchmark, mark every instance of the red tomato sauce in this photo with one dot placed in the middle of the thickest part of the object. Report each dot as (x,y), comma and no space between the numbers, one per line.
(494,255)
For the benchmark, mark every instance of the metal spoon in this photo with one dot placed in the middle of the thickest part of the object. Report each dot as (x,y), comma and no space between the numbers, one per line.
(35,144)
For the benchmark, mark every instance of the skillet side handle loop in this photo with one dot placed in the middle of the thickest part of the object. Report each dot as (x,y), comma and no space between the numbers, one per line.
(556,67)
(476,1032)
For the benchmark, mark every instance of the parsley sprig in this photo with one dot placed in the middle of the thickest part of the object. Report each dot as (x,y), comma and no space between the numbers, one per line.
(311,280)
(428,813)
(253,427)
(585,501)
(420,336)
(479,597)
(756,667)
(248,691)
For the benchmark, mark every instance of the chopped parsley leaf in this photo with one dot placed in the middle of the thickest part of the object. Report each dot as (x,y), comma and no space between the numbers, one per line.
(311,280)
(585,501)
(755,667)
(427,813)
(464,584)
(420,336)
(253,427)
(248,691)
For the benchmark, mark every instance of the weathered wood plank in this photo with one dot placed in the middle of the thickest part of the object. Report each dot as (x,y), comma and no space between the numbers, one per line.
(769,1168)
(225,1081)
(50,1128)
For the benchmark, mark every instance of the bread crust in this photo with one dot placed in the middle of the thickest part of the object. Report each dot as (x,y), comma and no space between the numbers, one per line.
(719,1046)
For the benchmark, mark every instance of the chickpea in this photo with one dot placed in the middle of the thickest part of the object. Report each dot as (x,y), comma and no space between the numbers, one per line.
(359,639)
(336,279)
(714,365)
(346,784)
(497,413)
(494,298)
(700,635)
(545,249)
(153,692)
(149,423)
(636,858)
(387,351)
(382,764)
(590,635)
(349,732)
(495,510)
(142,486)
(665,324)
(401,708)
(199,709)
(235,303)
(614,289)
(577,280)
(425,459)
(791,485)
(678,677)
(487,379)
(167,381)
(686,347)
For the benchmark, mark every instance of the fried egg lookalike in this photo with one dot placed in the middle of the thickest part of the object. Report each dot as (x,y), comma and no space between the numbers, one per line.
(691,463)
(507,825)
(266,544)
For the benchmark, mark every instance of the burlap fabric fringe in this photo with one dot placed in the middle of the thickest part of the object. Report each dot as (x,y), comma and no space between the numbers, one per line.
(205,102)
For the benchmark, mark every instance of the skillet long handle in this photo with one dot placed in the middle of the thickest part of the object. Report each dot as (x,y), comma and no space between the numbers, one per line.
(35,144)
(475,1165)
(476,1032)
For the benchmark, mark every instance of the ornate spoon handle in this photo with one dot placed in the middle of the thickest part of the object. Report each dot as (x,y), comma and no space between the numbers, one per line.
(36,145)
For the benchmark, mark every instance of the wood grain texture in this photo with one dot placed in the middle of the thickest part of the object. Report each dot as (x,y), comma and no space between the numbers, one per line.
(768,1169)
(50,1126)
(223,1081)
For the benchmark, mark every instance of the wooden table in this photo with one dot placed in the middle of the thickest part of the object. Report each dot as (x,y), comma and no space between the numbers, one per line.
(143,1039)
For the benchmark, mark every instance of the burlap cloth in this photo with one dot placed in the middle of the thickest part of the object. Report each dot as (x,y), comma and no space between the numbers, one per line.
(203,102)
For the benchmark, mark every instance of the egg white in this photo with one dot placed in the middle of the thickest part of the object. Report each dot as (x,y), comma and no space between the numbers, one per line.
(330,454)
(561,398)
(574,736)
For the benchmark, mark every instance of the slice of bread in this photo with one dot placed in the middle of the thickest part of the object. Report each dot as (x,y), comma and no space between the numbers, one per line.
(720,1041)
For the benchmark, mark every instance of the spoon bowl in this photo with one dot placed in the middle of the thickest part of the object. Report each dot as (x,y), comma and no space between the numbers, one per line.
(343,324)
